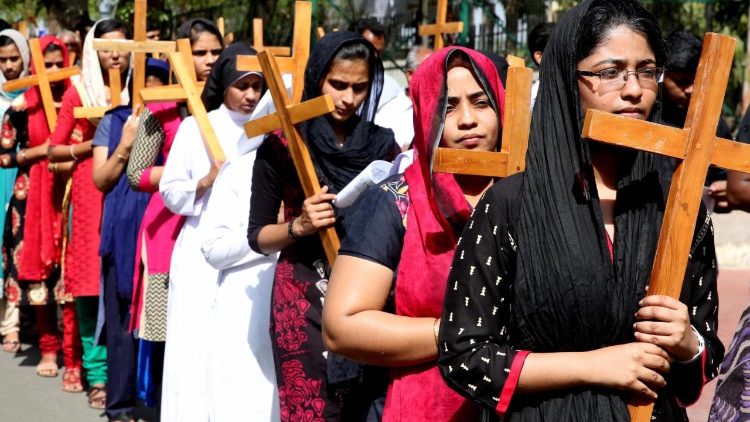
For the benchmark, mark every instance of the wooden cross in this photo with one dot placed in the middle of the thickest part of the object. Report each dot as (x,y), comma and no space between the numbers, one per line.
(440,26)
(258,40)
(115,91)
(515,61)
(511,158)
(42,79)
(228,38)
(22,27)
(295,64)
(139,46)
(697,146)
(181,65)
(173,92)
(287,117)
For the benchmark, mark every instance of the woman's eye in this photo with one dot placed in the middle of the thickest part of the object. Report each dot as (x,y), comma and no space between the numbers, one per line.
(609,74)
(199,53)
(481,103)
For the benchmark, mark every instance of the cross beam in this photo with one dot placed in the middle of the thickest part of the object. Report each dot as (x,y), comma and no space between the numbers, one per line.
(697,146)
(258,40)
(115,91)
(174,92)
(440,26)
(42,79)
(295,64)
(511,158)
(287,117)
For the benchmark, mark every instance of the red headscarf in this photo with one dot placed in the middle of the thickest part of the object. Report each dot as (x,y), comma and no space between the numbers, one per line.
(41,233)
(437,208)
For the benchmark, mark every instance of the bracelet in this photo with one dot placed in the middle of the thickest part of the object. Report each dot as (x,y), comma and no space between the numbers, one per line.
(436,329)
(289,230)
(72,154)
(121,157)
(701,348)
(54,167)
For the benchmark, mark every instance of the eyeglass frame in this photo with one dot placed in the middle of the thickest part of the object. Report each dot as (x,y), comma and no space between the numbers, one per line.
(659,76)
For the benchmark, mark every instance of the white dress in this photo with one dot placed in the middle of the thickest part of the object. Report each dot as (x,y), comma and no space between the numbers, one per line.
(192,280)
(241,375)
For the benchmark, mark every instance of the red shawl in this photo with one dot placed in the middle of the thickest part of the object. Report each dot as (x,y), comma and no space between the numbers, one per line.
(42,232)
(437,206)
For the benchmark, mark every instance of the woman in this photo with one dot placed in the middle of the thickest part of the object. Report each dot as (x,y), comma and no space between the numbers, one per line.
(160,226)
(186,188)
(394,235)
(545,316)
(14,50)
(31,240)
(71,142)
(241,382)
(345,66)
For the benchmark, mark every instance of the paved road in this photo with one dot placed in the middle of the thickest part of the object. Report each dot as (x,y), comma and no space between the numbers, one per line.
(26,397)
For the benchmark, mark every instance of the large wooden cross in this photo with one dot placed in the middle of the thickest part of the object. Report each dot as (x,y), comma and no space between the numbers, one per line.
(42,79)
(115,92)
(139,46)
(286,117)
(697,147)
(295,64)
(258,41)
(174,92)
(511,158)
(440,26)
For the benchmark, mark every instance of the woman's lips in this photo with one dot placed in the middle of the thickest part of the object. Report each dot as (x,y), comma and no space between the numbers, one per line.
(631,112)
(471,140)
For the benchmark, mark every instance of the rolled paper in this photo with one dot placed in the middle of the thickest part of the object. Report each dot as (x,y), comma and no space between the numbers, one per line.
(374,173)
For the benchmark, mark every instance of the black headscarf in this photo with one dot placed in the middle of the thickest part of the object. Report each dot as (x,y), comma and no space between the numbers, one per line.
(365,142)
(185,30)
(501,64)
(224,73)
(570,296)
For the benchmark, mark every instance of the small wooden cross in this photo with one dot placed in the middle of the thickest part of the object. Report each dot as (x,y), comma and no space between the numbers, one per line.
(22,27)
(258,40)
(42,79)
(440,26)
(181,66)
(286,117)
(115,91)
(173,92)
(228,38)
(295,64)
(511,158)
(697,146)
(139,46)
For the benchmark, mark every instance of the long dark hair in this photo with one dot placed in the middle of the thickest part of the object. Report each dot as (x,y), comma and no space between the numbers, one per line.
(110,25)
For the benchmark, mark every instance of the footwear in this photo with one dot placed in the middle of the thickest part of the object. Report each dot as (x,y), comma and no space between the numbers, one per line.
(10,345)
(98,396)
(123,417)
(47,366)
(72,380)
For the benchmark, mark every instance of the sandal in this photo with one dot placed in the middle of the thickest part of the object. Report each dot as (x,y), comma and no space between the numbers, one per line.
(47,366)
(72,380)
(11,346)
(98,397)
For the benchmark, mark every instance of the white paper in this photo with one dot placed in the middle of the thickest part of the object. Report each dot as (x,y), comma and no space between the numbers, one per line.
(374,173)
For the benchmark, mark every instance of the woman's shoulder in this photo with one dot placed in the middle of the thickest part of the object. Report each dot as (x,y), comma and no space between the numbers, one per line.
(504,197)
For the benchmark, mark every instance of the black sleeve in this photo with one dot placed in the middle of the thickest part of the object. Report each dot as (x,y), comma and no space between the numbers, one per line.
(743,133)
(700,294)
(267,190)
(475,354)
(374,226)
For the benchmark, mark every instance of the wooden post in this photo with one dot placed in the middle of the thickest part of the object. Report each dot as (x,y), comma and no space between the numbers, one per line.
(697,146)
(258,40)
(115,92)
(295,64)
(181,68)
(440,26)
(297,146)
(511,158)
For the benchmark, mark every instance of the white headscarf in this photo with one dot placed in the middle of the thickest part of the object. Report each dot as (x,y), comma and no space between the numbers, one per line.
(23,47)
(92,78)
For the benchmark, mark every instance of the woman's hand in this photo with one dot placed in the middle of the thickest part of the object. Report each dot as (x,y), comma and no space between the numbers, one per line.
(317,214)
(634,367)
(130,128)
(664,322)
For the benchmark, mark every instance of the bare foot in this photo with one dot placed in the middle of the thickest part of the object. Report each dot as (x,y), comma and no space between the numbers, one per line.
(98,396)
(47,366)
(11,343)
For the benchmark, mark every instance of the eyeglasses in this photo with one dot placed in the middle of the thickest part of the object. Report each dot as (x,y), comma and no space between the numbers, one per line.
(647,76)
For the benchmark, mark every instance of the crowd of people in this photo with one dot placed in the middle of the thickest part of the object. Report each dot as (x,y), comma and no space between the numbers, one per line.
(181,288)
